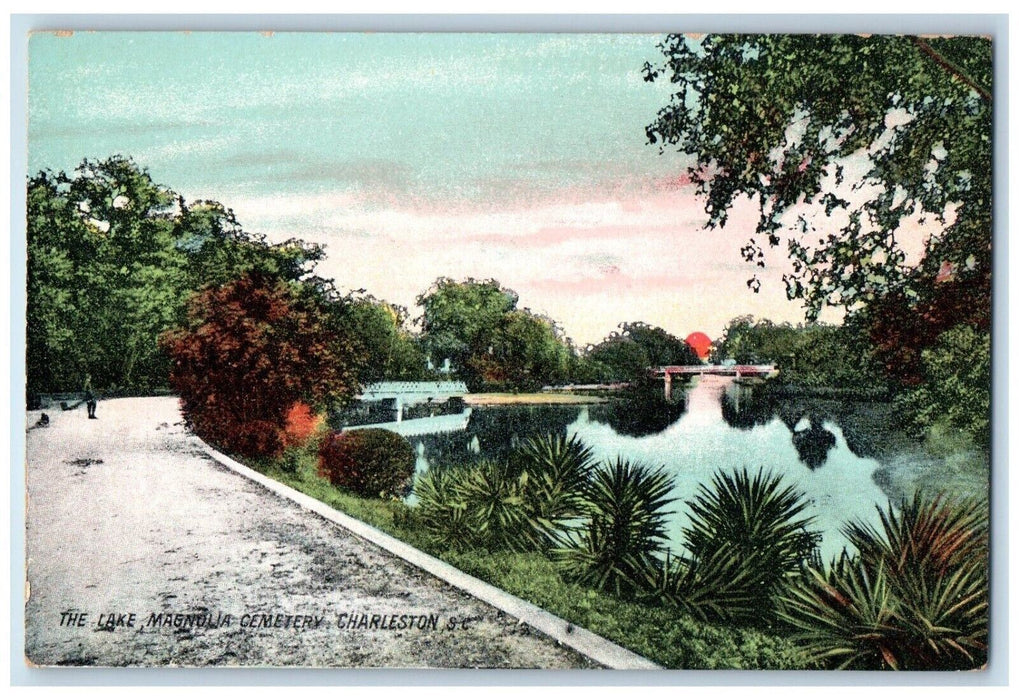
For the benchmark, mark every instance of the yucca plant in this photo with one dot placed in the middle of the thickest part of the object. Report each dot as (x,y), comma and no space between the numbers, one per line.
(442,509)
(716,588)
(474,506)
(494,494)
(557,470)
(746,537)
(915,597)
(623,529)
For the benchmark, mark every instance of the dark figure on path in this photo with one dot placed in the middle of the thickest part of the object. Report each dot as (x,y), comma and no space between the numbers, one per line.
(90,397)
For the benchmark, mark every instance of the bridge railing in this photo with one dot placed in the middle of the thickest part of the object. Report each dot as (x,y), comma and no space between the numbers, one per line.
(453,388)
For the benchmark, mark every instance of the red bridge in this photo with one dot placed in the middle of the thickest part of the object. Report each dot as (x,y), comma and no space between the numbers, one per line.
(725,370)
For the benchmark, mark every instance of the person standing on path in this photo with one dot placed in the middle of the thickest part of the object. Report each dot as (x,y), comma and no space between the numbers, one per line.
(90,397)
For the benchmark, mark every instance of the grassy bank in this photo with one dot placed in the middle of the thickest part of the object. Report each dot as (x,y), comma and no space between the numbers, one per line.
(659,633)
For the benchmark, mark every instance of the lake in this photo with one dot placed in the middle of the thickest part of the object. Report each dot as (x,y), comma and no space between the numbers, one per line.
(844,456)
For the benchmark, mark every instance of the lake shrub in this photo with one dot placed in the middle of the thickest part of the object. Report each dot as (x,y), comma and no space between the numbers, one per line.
(371,462)
(745,540)
(915,597)
(468,506)
(624,527)
(556,471)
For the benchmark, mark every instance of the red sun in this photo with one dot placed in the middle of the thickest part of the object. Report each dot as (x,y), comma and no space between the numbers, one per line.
(700,343)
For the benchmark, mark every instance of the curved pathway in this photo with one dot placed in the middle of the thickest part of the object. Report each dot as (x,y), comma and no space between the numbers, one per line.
(128,516)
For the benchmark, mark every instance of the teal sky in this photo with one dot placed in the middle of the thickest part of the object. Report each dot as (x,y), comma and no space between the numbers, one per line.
(414,156)
(423,114)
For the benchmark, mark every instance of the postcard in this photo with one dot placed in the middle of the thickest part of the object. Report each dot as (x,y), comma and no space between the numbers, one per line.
(502,350)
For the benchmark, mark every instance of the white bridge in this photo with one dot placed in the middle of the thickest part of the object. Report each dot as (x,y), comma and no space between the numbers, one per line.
(412,393)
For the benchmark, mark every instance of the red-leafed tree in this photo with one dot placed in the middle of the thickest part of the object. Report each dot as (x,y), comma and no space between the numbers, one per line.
(254,348)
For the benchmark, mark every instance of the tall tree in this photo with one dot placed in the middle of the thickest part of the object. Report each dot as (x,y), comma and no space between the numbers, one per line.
(112,260)
(785,119)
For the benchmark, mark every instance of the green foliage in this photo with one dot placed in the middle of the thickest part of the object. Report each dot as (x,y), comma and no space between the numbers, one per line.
(392,353)
(628,353)
(811,355)
(372,462)
(915,597)
(745,540)
(523,504)
(460,318)
(623,528)
(666,636)
(558,470)
(530,352)
(492,344)
(112,260)
(956,387)
(474,506)
(786,119)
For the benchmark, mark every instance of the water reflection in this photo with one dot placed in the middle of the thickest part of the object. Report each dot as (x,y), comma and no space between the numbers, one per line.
(714,424)
(813,443)
(746,406)
(642,413)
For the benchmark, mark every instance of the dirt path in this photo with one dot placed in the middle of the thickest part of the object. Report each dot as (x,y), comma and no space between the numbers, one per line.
(127,515)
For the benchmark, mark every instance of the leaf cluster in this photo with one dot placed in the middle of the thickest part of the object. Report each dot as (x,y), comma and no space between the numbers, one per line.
(914,597)
(788,120)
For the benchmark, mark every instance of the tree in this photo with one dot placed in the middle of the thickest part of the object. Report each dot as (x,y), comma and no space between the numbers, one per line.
(635,347)
(391,351)
(112,260)
(530,351)
(783,120)
(250,351)
(460,319)
(491,342)
(103,275)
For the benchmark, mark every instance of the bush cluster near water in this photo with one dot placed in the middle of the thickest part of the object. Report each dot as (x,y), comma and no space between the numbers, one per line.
(373,463)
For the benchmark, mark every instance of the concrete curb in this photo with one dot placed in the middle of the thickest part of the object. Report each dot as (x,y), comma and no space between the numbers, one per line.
(588,643)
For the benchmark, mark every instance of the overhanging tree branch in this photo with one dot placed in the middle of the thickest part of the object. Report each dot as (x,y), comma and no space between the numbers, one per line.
(951,68)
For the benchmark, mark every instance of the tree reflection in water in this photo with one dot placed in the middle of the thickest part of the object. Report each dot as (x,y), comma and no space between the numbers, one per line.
(641,413)
(745,407)
(813,443)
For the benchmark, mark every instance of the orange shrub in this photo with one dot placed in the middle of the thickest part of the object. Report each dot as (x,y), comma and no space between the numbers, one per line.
(302,423)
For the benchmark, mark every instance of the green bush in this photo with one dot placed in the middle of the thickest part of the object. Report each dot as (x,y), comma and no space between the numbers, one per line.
(556,472)
(745,539)
(473,506)
(623,529)
(956,391)
(371,462)
(523,504)
(915,597)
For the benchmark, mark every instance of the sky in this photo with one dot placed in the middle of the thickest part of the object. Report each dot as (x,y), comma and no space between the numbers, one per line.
(417,156)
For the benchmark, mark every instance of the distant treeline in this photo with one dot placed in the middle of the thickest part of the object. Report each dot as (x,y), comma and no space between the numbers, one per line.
(114,259)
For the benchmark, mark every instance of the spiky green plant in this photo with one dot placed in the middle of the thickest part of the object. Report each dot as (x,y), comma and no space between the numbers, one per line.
(442,509)
(557,470)
(494,494)
(716,588)
(623,529)
(744,540)
(474,506)
(915,597)
(746,537)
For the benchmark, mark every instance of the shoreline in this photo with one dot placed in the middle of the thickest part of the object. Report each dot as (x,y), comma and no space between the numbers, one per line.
(530,399)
